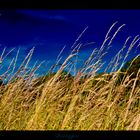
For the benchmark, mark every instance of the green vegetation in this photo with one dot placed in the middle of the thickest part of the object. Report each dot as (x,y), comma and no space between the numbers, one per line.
(86,101)
(132,67)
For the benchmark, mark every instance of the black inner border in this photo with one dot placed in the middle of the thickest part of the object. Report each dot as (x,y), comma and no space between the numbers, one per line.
(71,4)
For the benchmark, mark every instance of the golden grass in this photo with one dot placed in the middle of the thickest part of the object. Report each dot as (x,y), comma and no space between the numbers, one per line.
(96,103)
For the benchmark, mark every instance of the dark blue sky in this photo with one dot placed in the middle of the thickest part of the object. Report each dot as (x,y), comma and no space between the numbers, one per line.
(50,30)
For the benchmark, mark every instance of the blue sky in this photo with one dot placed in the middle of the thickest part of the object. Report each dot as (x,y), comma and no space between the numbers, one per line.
(50,30)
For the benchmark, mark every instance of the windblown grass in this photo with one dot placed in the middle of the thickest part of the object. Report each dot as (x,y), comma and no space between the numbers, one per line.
(82,102)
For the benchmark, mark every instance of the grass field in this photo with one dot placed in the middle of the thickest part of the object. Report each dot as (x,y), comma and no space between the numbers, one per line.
(86,101)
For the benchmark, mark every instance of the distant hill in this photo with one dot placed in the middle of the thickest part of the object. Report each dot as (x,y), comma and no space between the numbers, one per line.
(132,66)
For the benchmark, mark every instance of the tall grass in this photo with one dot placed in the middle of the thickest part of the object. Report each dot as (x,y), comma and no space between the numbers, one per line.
(83,102)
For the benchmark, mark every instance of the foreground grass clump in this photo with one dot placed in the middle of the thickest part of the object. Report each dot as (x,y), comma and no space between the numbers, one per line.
(86,101)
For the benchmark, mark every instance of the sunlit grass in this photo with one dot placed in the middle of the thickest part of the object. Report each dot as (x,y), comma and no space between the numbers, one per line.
(58,101)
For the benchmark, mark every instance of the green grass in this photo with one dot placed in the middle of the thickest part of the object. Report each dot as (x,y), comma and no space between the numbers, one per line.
(86,101)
